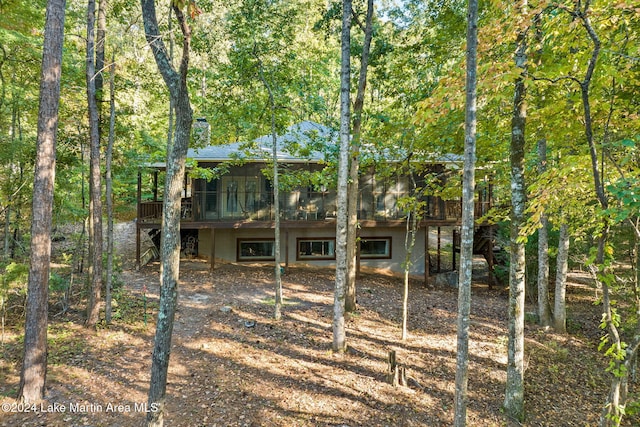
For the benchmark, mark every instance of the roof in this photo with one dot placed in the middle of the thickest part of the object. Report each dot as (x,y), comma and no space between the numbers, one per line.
(295,145)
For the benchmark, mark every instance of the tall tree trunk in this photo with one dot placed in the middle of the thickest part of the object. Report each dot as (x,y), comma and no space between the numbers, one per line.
(350,304)
(172,43)
(339,335)
(101,36)
(409,244)
(466,232)
(34,365)
(277,314)
(7,230)
(101,39)
(613,409)
(562,261)
(95,180)
(109,189)
(514,393)
(176,82)
(544,311)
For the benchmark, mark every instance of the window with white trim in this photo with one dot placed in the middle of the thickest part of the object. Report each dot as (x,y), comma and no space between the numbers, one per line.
(321,248)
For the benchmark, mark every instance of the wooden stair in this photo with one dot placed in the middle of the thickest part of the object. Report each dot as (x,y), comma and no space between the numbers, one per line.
(484,243)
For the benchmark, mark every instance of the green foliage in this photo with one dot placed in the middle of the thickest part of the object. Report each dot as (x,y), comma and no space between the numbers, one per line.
(57,282)
(633,405)
(625,189)
(129,308)
(63,344)
(13,280)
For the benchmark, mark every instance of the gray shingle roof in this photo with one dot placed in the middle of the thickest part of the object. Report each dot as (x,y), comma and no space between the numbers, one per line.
(301,135)
(294,146)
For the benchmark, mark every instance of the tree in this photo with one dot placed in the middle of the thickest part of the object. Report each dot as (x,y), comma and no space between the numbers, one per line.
(544,311)
(276,196)
(414,207)
(613,410)
(562,263)
(20,61)
(339,336)
(267,38)
(95,181)
(352,199)
(561,195)
(466,233)
(34,365)
(514,393)
(176,81)
(109,191)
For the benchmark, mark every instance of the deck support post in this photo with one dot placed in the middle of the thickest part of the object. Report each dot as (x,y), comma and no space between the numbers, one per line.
(139,211)
(426,255)
(212,249)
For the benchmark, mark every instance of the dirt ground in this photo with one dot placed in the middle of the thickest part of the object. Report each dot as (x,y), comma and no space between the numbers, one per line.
(233,365)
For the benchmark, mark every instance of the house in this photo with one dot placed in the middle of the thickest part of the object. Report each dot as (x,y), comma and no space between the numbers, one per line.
(230,217)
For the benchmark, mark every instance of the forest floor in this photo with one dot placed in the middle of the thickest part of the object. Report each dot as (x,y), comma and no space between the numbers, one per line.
(233,365)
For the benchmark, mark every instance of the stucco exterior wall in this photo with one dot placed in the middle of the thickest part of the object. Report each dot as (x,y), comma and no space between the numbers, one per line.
(226,242)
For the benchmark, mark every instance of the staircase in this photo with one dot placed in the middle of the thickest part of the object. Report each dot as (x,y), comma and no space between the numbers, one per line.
(484,243)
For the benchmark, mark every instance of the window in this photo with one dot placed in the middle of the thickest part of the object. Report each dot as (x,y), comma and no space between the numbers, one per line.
(378,247)
(316,249)
(256,250)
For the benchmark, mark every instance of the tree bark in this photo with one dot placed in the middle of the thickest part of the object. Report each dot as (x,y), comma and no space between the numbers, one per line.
(396,373)
(544,311)
(559,306)
(277,314)
(409,243)
(34,365)
(101,38)
(514,393)
(613,409)
(466,234)
(95,179)
(354,168)
(176,82)
(109,190)
(339,335)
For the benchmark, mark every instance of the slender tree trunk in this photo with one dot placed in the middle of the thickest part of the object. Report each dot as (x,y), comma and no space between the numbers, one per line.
(176,82)
(7,230)
(339,335)
(101,34)
(277,314)
(101,37)
(172,42)
(466,232)
(409,244)
(613,410)
(544,311)
(636,226)
(354,169)
(109,189)
(559,306)
(276,195)
(95,184)
(514,393)
(34,365)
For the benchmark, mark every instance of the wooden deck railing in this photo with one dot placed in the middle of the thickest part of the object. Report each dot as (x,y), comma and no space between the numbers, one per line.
(440,210)
(152,211)
(149,211)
